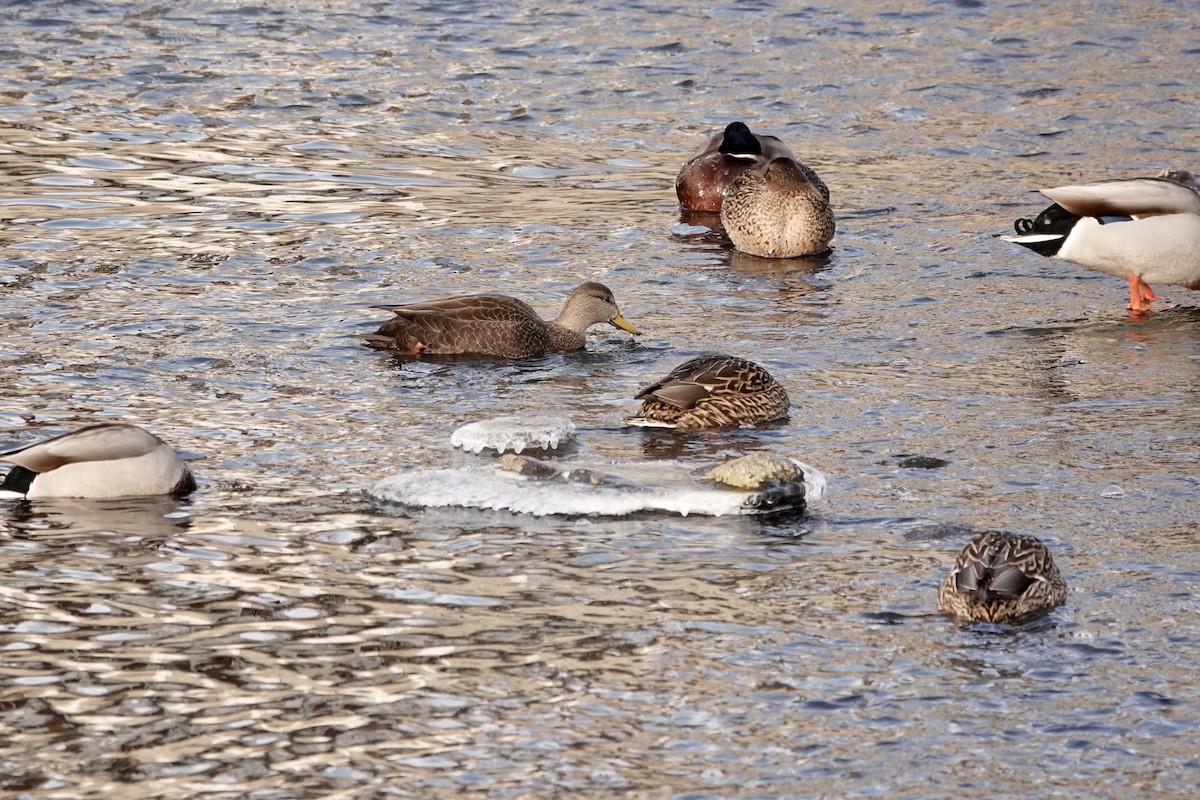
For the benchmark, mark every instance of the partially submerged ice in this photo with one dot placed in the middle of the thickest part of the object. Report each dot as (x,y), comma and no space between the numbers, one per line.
(514,434)
(524,485)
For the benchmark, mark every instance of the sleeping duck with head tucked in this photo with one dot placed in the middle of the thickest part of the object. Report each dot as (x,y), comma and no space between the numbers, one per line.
(704,179)
(714,391)
(1002,577)
(778,209)
(1145,230)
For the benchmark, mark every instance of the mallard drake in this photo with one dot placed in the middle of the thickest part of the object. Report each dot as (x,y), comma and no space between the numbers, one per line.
(778,209)
(1002,577)
(496,325)
(716,391)
(99,461)
(1146,230)
(703,180)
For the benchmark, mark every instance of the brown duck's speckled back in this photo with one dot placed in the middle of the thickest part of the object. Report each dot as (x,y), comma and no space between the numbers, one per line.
(1002,577)
(779,209)
(716,391)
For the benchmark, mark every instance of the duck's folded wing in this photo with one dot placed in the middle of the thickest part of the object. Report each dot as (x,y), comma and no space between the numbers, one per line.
(773,147)
(1009,580)
(95,443)
(473,324)
(701,377)
(466,309)
(676,393)
(1136,197)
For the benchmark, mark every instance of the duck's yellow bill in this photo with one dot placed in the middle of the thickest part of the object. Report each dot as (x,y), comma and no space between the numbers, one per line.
(623,324)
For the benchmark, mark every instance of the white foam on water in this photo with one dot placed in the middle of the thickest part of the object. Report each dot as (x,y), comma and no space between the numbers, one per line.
(504,434)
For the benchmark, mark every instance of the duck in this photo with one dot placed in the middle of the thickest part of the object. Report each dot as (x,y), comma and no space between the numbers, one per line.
(1145,230)
(712,391)
(778,209)
(1002,577)
(702,182)
(496,325)
(103,461)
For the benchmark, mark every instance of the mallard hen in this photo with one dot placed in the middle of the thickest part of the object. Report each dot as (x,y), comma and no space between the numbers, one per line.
(1002,577)
(715,391)
(778,209)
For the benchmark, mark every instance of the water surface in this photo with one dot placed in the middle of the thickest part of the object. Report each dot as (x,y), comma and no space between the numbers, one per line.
(201,201)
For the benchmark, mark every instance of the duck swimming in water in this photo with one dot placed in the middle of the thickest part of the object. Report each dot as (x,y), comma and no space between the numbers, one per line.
(778,209)
(1145,230)
(100,462)
(496,325)
(1002,577)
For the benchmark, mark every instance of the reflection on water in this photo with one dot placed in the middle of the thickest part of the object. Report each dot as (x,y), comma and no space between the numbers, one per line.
(155,519)
(200,203)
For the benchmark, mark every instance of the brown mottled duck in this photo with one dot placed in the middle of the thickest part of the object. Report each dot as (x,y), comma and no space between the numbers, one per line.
(778,209)
(1002,577)
(716,391)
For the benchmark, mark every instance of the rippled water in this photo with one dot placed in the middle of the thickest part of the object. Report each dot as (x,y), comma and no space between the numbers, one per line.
(200,202)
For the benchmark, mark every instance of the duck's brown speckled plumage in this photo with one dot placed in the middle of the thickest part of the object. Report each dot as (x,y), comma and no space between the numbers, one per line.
(716,391)
(702,182)
(1002,577)
(496,325)
(779,209)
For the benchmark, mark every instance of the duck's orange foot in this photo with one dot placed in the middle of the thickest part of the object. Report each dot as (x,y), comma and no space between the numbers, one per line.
(1140,294)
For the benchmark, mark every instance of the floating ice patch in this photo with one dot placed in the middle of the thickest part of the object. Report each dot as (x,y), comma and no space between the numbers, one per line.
(815,482)
(504,434)
(619,490)
(684,229)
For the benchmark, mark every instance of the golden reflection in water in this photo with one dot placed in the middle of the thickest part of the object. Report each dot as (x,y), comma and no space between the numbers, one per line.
(207,198)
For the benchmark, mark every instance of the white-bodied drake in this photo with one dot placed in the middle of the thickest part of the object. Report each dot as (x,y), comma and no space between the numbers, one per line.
(100,462)
(1146,230)
(1002,577)
(703,181)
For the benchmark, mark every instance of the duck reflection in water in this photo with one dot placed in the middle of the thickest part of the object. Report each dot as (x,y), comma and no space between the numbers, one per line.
(145,521)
